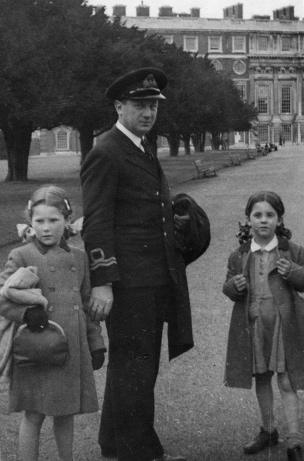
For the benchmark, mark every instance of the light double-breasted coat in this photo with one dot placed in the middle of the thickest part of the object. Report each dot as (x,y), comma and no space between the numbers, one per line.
(64,281)
(285,291)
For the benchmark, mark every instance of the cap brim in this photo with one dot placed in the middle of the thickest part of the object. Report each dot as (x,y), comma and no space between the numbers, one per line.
(159,96)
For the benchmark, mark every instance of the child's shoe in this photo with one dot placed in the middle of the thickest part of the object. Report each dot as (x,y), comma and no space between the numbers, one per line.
(294,454)
(263,440)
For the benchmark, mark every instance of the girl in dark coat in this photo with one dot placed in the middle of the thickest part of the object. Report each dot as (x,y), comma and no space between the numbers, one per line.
(41,390)
(266,333)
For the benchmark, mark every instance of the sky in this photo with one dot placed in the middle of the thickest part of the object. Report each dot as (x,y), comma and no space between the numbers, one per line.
(208,8)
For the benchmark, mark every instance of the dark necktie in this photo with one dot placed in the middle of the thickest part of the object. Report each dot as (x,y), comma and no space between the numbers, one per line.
(147,148)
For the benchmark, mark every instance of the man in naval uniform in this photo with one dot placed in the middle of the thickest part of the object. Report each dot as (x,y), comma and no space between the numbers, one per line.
(137,273)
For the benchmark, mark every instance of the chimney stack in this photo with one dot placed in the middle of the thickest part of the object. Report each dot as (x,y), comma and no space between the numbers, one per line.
(119,10)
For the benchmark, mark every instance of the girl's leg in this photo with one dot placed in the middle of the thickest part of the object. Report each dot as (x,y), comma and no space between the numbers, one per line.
(64,431)
(29,436)
(264,395)
(291,409)
(267,436)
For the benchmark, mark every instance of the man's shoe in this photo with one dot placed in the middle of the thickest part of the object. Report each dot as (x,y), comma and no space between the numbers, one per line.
(166,457)
(294,454)
(263,440)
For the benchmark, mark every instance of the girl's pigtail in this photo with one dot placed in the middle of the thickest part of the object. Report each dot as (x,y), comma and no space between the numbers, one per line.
(244,234)
(282,231)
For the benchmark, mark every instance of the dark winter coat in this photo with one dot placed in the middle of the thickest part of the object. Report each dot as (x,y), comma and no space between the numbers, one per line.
(286,297)
(64,281)
(128,227)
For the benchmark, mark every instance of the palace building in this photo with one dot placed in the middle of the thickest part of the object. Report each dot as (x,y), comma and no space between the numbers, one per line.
(264,56)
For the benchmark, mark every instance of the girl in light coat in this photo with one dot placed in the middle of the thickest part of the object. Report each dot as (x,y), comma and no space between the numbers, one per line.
(60,392)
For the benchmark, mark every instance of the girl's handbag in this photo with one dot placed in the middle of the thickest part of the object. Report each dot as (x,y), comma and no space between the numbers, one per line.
(46,348)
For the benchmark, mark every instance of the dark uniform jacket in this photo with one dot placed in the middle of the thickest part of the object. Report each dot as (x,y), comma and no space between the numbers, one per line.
(128,227)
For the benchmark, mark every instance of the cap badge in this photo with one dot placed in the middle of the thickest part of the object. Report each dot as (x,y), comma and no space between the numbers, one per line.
(150,82)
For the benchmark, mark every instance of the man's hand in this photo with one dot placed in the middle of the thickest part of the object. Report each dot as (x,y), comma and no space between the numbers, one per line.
(283,266)
(101,302)
(240,282)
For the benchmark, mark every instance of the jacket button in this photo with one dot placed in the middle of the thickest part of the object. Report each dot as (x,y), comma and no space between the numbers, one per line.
(52,269)
(76,307)
(165,234)
(164,219)
(162,204)
(73,269)
(157,193)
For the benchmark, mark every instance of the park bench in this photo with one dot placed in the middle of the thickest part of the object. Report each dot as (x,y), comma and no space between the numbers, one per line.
(202,171)
(235,160)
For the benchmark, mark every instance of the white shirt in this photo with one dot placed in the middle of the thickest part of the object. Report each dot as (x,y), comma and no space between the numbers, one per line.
(270,246)
(135,139)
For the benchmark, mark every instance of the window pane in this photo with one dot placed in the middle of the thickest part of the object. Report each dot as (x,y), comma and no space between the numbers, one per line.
(214,43)
(263,99)
(262,43)
(239,43)
(263,133)
(286,131)
(62,140)
(285,100)
(190,43)
(289,43)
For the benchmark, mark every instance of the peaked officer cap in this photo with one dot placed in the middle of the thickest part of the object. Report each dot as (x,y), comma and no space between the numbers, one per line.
(143,83)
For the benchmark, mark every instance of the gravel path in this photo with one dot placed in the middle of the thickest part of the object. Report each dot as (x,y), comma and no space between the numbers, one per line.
(195,414)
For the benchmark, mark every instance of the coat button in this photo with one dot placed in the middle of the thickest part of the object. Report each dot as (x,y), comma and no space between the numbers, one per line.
(164,219)
(165,234)
(157,193)
(73,269)
(162,204)
(76,307)
(52,269)
(50,308)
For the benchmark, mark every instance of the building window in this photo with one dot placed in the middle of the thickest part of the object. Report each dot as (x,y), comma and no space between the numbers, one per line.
(238,43)
(263,43)
(62,140)
(263,99)
(168,39)
(215,43)
(241,87)
(286,100)
(289,43)
(286,131)
(239,67)
(218,66)
(190,43)
(263,133)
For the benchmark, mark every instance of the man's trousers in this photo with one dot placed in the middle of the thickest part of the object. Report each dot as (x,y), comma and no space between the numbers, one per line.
(134,327)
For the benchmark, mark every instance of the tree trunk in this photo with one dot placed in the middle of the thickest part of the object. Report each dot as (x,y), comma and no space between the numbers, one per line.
(86,137)
(198,140)
(174,141)
(186,139)
(18,138)
(215,140)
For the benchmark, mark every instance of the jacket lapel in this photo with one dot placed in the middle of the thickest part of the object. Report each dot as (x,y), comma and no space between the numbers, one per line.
(133,154)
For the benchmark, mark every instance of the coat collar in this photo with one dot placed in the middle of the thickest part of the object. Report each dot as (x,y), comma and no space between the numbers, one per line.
(282,245)
(134,154)
(43,249)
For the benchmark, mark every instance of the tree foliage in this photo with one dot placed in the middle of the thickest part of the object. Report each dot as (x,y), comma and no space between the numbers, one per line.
(58,58)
